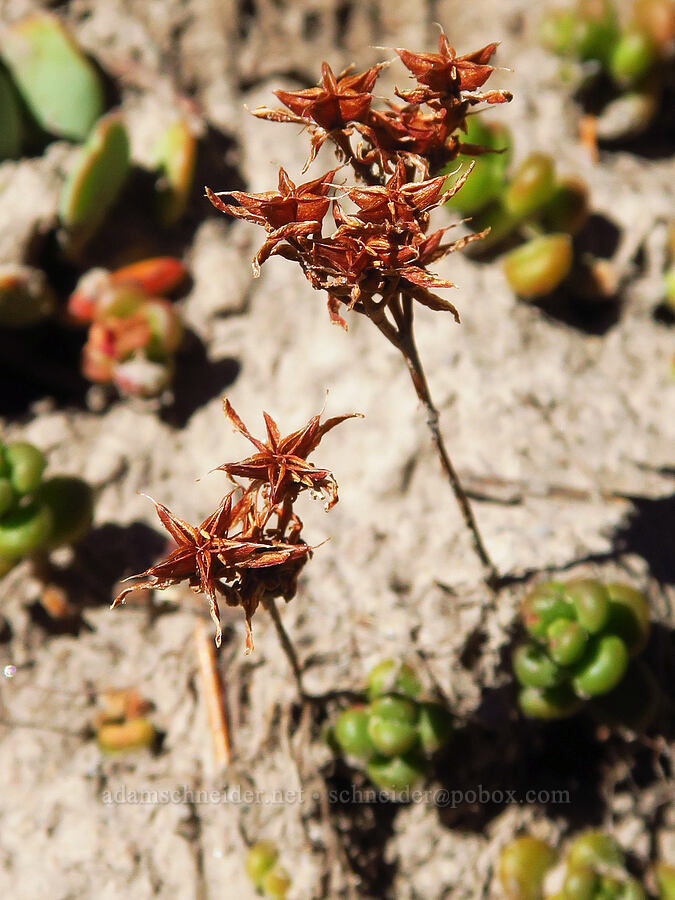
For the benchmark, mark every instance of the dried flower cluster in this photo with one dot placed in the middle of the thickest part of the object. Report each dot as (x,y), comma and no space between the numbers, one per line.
(381,251)
(375,260)
(250,549)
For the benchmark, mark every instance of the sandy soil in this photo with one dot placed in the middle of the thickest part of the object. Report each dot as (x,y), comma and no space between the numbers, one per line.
(560,422)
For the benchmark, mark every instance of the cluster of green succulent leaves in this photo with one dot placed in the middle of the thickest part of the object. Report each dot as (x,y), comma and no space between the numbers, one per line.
(583,640)
(396,732)
(49,88)
(37,514)
(594,869)
(531,204)
(628,56)
(262,867)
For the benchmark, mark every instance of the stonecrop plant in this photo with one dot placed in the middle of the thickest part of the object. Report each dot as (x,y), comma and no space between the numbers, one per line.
(583,640)
(376,259)
(250,550)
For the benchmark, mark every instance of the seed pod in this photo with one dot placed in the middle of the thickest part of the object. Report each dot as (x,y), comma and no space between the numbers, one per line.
(534,668)
(60,86)
(93,185)
(628,616)
(665,878)
(390,676)
(24,529)
(396,774)
(591,603)
(581,883)
(566,641)
(543,605)
(522,867)
(602,668)
(174,156)
(567,210)
(531,187)
(155,277)
(260,859)
(11,127)
(71,503)
(276,883)
(351,733)
(134,734)
(392,725)
(434,726)
(557,702)
(593,849)
(632,57)
(25,296)
(537,267)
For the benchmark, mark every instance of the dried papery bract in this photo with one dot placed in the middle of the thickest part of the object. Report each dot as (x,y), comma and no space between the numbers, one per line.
(376,260)
(250,550)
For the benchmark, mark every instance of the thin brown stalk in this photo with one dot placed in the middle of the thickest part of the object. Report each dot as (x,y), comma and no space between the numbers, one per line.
(286,644)
(214,696)
(403,339)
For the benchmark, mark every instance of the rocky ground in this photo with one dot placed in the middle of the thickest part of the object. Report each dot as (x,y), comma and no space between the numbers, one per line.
(560,421)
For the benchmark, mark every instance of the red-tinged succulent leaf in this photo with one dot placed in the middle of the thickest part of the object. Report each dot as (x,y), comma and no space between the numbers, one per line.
(157,276)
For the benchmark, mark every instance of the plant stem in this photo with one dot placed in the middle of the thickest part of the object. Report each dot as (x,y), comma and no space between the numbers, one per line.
(403,339)
(286,645)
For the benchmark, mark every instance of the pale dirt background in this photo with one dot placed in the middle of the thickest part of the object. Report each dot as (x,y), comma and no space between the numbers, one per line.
(529,402)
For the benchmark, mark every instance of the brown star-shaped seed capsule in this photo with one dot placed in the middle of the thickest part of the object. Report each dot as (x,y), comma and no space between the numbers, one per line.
(282,462)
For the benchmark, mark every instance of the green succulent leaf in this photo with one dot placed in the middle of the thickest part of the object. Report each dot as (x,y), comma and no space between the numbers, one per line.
(628,616)
(174,155)
(603,666)
(260,860)
(97,178)
(397,774)
(434,726)
(566,641)
(60,86)
(24,529)
(557,702)
(537,267)
(71,504)
(593,849)
(544,605)
(351,733)
(522,867)
(26,465)
(591,602)
(534,667)
(531,187)
(390,676)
